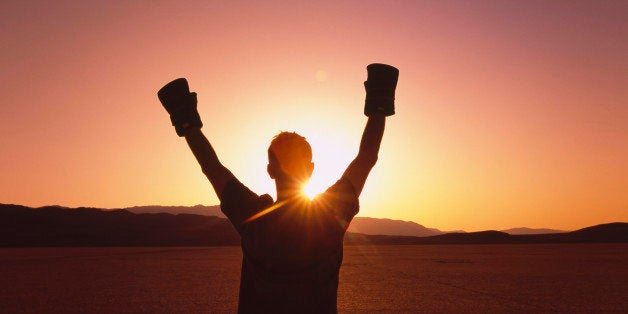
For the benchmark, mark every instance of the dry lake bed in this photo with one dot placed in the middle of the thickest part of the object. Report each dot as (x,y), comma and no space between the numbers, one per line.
(413,278)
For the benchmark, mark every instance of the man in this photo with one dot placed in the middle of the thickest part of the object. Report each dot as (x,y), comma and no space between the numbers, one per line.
(292,247)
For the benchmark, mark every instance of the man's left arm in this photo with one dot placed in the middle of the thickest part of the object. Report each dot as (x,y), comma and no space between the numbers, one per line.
(181,105)
(361,166)
(380,102)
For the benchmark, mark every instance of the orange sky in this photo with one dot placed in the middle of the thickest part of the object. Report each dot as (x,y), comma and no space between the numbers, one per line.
(509,113)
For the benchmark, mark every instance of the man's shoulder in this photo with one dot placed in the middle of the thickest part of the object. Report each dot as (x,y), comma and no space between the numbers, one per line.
(343,185)
(238,202)
(341,198)
(265,200)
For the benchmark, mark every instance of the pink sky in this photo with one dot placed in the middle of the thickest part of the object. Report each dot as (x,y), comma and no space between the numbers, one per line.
(509,113)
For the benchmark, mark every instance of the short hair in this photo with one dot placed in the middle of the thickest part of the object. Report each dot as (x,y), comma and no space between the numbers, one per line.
(292,152)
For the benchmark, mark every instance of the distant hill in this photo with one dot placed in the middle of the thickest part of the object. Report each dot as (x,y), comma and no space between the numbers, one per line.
(379,226)
(605,233)
(196,210)
(22,226)
(612,232)
(524,230)
(59,226)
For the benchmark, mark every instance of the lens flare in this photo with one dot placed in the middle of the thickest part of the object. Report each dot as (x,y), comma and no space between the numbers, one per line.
(310,191)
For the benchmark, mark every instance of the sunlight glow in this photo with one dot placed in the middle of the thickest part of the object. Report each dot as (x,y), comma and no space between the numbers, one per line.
(311,190)
(332,153)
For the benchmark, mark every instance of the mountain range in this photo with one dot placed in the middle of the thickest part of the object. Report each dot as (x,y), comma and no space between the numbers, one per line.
(524,230)
(60,226)
(365,225)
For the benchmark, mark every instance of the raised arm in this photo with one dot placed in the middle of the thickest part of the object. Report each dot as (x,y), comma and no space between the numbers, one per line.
(217,174)
(380,102)
(181,105)
(361,166)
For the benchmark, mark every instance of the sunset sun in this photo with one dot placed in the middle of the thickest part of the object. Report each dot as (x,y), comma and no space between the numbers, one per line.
(311,190)
(331,156)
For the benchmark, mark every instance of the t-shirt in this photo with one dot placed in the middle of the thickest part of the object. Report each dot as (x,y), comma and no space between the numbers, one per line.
(293,252)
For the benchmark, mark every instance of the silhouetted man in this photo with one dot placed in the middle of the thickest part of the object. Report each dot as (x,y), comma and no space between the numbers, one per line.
(292,247)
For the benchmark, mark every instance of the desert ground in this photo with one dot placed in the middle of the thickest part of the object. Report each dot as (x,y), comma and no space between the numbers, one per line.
(385,279)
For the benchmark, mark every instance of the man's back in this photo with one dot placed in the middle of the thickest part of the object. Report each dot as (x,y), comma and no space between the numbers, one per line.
(292,254)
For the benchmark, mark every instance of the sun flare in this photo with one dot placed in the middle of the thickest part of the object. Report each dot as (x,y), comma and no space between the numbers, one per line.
(311,190)
(331,155)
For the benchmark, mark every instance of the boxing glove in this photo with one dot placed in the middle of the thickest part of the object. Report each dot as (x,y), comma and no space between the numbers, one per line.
(380,89)
(181,105)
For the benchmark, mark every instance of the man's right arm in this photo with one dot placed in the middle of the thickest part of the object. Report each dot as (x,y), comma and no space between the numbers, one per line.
(217,174)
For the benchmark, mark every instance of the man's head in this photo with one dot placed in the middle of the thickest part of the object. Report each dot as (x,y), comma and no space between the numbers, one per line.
(290,158)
